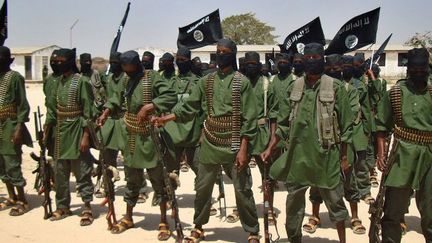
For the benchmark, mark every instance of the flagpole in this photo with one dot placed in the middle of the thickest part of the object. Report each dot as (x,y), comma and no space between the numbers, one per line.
(70,32)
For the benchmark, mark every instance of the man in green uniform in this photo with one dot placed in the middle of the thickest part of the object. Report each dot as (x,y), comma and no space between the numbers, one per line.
(284,78)
(69,109)
(147,60)
(196,67)
(226,97)
(146,93)
(14,111)
(166,66)
(405,110)
(298,65)
(317,117)
(97,85)
(185,136)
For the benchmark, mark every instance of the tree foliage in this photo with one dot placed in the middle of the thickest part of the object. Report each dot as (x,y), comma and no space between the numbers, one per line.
(246,29)
(422,40)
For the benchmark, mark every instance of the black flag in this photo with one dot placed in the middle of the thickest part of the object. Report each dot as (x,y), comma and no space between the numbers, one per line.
(116,41)
(205,31)
(356,33)
(378,52)
(3,23)
(311,32)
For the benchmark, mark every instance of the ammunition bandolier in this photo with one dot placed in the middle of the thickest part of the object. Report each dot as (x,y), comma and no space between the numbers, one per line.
(228,125)
(327,120)
(7,111)
(72,110)
(401,132)
(131,120)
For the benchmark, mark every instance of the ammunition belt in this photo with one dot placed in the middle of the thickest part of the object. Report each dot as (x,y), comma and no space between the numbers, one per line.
(132,124)
(8,111)
(4,85)
(68,112)
(413,135)
(218,140)
(219,124)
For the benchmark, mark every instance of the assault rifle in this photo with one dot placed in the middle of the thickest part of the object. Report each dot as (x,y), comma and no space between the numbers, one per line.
(168,178)
(223,213)
(43,171)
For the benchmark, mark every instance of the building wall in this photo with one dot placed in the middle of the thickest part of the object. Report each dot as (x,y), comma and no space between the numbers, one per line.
(39,59)
(18,65)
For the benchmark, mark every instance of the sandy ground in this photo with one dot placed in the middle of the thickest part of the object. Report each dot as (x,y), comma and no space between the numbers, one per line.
(32,228)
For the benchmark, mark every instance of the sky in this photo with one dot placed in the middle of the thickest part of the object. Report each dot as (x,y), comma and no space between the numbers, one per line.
(155,23)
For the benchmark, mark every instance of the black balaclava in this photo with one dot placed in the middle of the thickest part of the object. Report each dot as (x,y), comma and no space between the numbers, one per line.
(418,67)
(314,66)
(284,64)
(298,64)
(70,63)
(86,63)
(242,69)
(252,65)
(115,64)
(376,70)
(227,59)
(359,71)
(148,62)
(265,69)
(333,66)
(167,64)
(184,66)
(347,71)
(132,57)
(53,63)
(196,66)
(5,59)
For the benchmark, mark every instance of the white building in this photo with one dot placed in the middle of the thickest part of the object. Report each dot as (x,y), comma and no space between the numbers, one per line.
(29,61)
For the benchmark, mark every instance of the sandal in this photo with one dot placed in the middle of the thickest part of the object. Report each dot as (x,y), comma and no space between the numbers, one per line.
(233,217)
(313,224)
(357,227)
(253,238)
(252,164)
(368,199)
(404,228)
(272,218)
(374,181)
(19,209)
(123,225)
(184,168)
(196,236)
(7,203)
(213,211)
(60,214)
(86,217)
(164,232)
(142,197)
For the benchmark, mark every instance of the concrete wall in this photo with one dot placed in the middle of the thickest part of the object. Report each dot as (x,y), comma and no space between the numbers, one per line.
(18,65)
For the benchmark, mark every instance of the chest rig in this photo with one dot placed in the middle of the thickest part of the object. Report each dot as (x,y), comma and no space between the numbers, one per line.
(6,110)
(327,120)
(228,125)
(131,120)
(401,132)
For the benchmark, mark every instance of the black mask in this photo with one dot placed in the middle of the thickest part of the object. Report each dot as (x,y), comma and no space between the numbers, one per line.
(64,67)
(347,73)
(358,72)
(334,74)
(115,68)
(298,68)
(184,66)
(54,68)
(85,68)
(168,67)
(252,70)
(4,65)
(224,60)
(147,65)
(418,77)
(284,68)
(314,66)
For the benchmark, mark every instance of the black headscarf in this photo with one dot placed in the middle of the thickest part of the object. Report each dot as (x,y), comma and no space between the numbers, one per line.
(334,60)
(132,57)
(227,59)
(347,71)
(53,62)
(85,62)
(167,63)
(314,66)
(196,66)
(115,63)
(148,64)
(70,63)
(418,57)
(5,59)
(252,65)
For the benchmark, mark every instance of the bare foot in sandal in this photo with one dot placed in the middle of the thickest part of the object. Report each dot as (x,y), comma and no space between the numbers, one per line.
(7,203)
(164,232)
(357,226)
(123,225)
(196,236)
(312,225)
(233,217)
(60,214)
(86,217)
(19,209)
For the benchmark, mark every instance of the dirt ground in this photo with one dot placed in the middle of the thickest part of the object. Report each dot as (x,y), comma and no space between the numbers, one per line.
(31,227)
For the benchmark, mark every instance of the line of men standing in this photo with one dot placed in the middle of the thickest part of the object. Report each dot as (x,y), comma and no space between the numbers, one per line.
(312,125)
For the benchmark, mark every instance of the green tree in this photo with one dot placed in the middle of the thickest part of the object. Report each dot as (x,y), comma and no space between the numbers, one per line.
(246,29)
(422,40)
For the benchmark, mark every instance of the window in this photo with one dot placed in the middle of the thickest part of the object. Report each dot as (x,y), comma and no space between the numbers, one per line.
(402,59)
(213,57)
(382,60)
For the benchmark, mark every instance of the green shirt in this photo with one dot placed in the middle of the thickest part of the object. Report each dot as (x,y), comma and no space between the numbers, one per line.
(280,85)
(15,93)
(306,162)
(362,130)
(222,106)
(164,98)
(412,161)
(185,134)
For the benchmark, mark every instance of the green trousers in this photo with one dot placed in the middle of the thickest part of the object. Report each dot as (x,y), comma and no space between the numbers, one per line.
(82,169)
(245,202)
(396,205)
(10,170)
(190,155)
(295,207)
